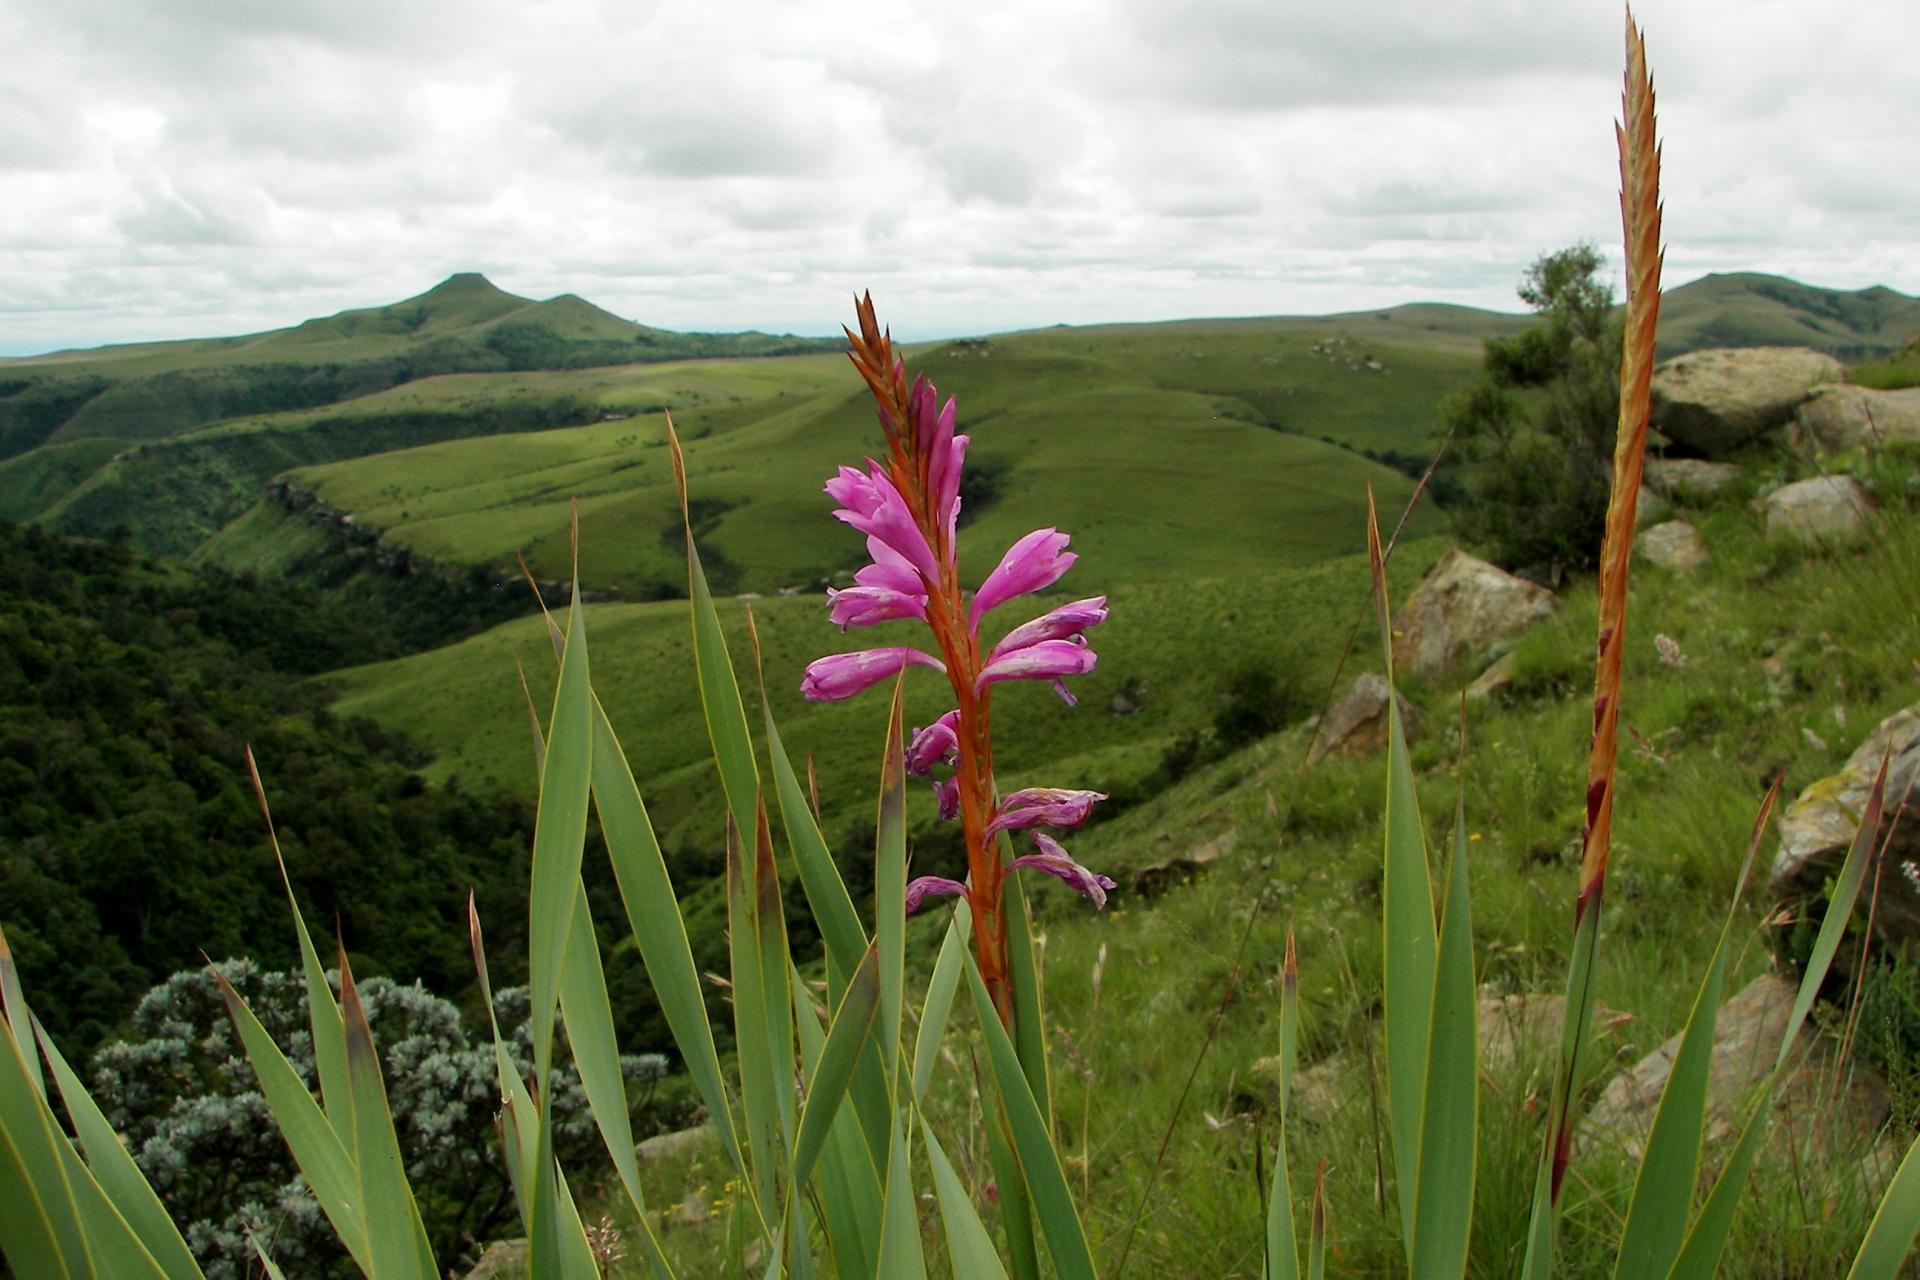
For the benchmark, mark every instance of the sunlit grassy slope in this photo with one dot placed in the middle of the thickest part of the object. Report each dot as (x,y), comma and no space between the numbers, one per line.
(1165,649)
(1166,450)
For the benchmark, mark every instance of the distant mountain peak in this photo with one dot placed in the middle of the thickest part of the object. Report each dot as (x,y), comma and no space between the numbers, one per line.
(464,284)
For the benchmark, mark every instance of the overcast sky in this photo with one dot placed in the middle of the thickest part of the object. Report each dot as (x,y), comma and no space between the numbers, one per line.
(174,168)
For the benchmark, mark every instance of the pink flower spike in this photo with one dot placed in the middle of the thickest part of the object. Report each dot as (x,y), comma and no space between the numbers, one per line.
(879,511)
(939,741)
(947,796)
(1047,660)
(1033,563)
(1067,620)
(919,890)
(1044,807)
(1057,862)
(841,675)
(945,480)
(865,606)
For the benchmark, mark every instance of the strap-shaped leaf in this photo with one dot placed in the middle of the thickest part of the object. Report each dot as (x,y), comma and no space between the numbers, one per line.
(1443,1217)
(938,1006)
(396,1238)
(325,1161)
(827,1082)
(890,881)
(1409,942)
(1282,1250)
(1045,1180)
(969,1247)
(113,1167)
(1895,1224)
(850,1195)
(596,1056)
(39,1226)
(653,916)
(758,1087)
(900,1255)
(1664,1186)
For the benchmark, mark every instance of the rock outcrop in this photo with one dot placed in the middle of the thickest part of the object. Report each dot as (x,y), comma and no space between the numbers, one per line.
(1714,401)
(1682,478)
(1820,509)
(1462,608)
(1357,724)
(1843,417)
(1746,1041)
(1675,545)
(1819,827)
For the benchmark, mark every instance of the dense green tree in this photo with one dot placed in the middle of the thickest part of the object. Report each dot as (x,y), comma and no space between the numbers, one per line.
(1537,425)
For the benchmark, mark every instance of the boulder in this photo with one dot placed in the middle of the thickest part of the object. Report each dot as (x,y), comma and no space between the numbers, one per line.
(1177,868)
(1746,1041)
(1819,827)
(1843,417)
(1712,402)
(503,1260)
(1819,509)
(1675,545)
(1650,508)
(1495,678)
(1357,724)
(1462,608)
(1678,478)
(665,1146)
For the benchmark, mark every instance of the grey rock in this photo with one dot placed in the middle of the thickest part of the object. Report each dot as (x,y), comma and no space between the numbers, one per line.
(1680,478)
(1357,724)
(1842,417)
(1675,545)
(1715,401)
(1819,827)
(1461,609)
(1819,509)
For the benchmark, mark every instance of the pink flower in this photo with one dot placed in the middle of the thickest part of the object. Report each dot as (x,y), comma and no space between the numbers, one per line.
(872,505)
(865,606)
(1031,564)
(1047,660)
(841,675)
(938,743)
(1059,624)
(1044,806)
(1057,862)
(919,890)
(890,570)
(947,796)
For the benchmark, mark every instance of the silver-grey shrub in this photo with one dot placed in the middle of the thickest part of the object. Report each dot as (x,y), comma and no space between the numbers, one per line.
(181,1091)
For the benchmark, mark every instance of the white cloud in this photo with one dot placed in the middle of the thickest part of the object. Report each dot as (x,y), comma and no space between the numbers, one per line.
(179,167)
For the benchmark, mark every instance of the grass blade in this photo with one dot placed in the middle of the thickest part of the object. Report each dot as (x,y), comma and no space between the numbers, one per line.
(1283,1251)
(890,881)
(1443,1216)
(726,715)
(938,1006)
(827,895)
(113,1168)
(1663,1188)
(653,916)
(1317,1231)
(827,1082)
(40,1229)
(559,834)
(1700,1256)
(517,1139)
(596,1056)
(1023,973)
(323,1014)
(900,1253)
(850,1195)
(324,1158)
(1045,1180)
(1409,941)
(396,1239)
(755,1056)
(969,1247)
(1895,1224)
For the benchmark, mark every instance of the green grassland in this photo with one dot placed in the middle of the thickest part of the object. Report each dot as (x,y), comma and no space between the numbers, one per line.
(1164,649)
(1746,309)
(1096,428)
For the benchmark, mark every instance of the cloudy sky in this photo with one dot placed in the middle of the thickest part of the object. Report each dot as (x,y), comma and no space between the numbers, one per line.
(174,168)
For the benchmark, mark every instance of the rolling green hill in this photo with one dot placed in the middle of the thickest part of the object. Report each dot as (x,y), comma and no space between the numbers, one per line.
(1746,309)
(149,391)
